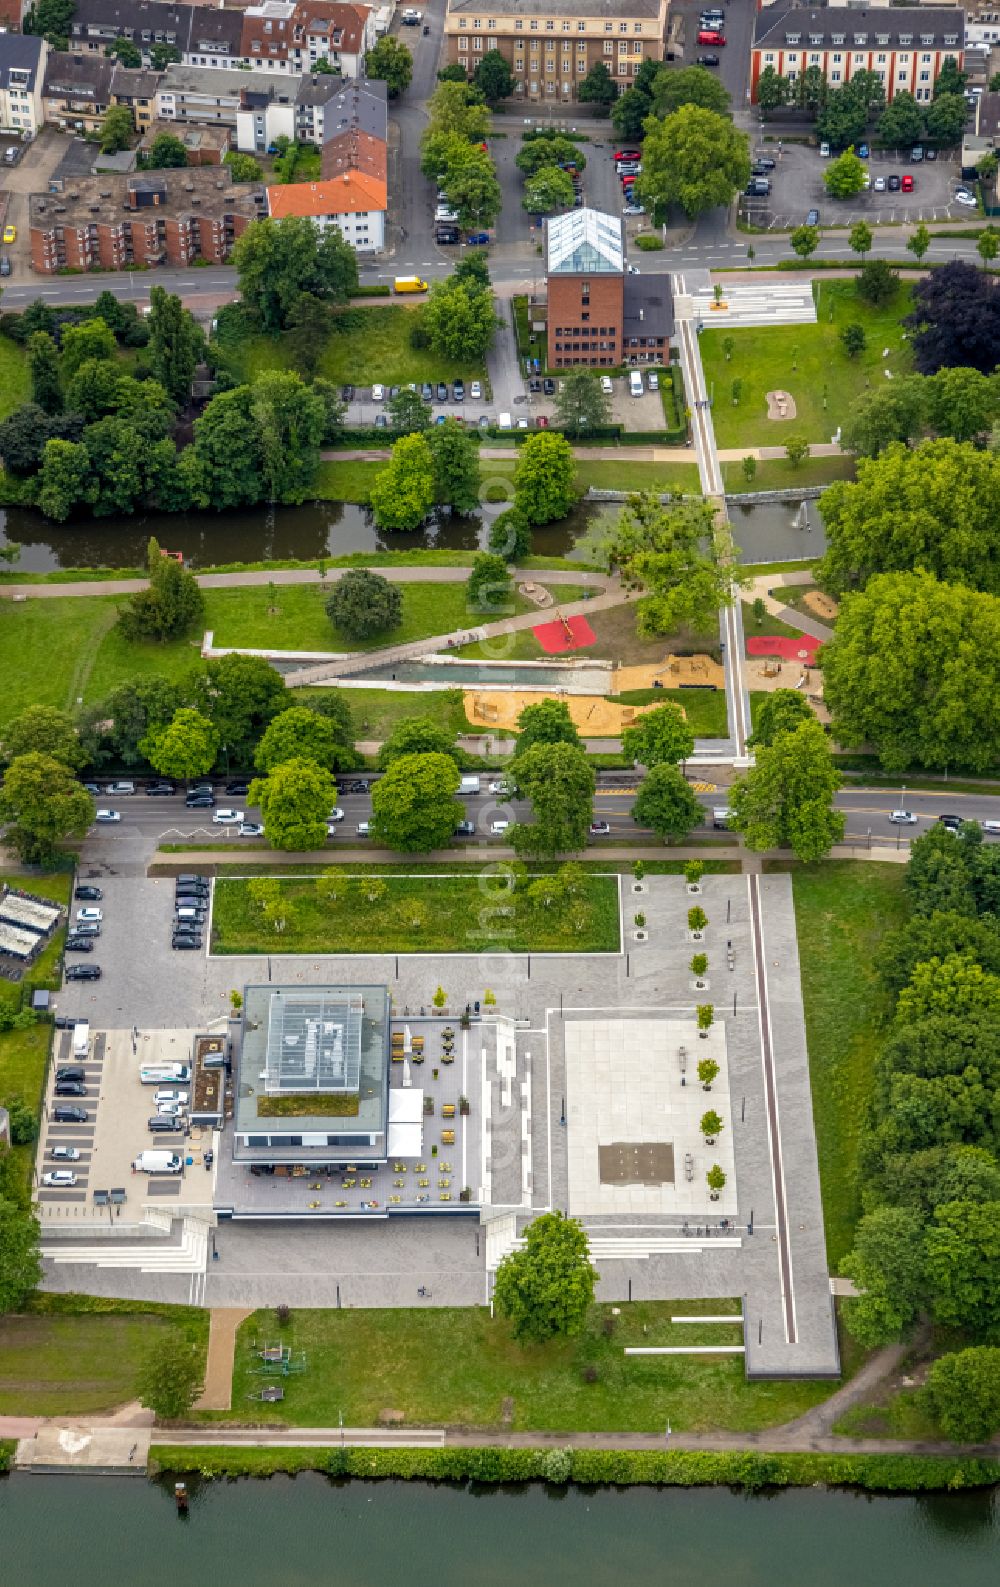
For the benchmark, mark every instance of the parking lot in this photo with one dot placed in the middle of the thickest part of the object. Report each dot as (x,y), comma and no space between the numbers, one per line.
(797,186)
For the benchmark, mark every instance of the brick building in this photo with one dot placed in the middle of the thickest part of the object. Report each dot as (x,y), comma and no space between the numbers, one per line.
(162,217)
(549,48)
(906,47)
(599,316)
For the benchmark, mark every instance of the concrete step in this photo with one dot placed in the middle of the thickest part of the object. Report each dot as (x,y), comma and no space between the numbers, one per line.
(189,1256)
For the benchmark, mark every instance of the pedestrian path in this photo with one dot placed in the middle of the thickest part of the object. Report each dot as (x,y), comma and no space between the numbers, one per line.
(217,1393)
(457,574)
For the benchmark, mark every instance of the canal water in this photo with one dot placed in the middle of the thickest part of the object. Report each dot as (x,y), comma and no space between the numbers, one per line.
(764,532)
(306,1532)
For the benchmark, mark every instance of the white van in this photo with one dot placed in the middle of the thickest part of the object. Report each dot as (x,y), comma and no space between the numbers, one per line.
(164,1074)
(157,1163)
(720,818)
(469,785)
(504,422)
(81,1040)
(364,829)
(635,387)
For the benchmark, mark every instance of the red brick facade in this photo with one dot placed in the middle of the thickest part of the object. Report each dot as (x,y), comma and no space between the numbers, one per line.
(585,315)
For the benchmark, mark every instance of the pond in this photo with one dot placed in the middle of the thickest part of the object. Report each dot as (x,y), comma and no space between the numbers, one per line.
(777,531)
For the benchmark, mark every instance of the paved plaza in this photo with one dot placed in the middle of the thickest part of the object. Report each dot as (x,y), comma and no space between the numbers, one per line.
(536,1120)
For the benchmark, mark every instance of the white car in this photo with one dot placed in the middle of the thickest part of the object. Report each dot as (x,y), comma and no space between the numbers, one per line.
(498,828)
(169,1110)
(634,209)
(168,1095)
(991,827)
(59,1177)
(90,913)
(902,818)
(107,815)
(606,385)
(965,198)
(251,829)
(880,184)
(65,1154)
(652,380)
(228,818)
(500,789)
(378,393)
(476,391)
(824,151)
(336,814)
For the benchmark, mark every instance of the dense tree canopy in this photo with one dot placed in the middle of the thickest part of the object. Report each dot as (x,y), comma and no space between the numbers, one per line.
(955,319)
(301,734)
(786,798)
(418,735)
(45,730)
(278,260)
(414,808)
(390,61)
(559,781)
(295,801)
(544,476)
(661,736)
(364,603)
(545,1288)
(43,803)
(667,803)
(402,493)
(546,722)
(186,747)
(696,159)
(171,604)
(661,550)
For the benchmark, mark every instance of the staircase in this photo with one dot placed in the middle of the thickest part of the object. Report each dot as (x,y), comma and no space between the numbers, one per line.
(189,1254)
(770,303)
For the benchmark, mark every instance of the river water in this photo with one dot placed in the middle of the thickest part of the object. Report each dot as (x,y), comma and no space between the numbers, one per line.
(306,1532)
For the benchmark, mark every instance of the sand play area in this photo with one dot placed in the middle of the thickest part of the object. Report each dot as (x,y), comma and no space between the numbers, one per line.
(596,715)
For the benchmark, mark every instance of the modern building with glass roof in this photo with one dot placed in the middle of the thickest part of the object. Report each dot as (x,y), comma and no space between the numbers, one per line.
(585,242)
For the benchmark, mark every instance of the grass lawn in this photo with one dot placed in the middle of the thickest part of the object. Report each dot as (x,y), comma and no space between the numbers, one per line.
(843,908)
(352,480)
(15,386)
(347,481)
(377,349)
(763,359)
(460,1367)
(705,708)
(615,634)
(768,625)
(777,473)
(627,474)
(451,919)
(377,711)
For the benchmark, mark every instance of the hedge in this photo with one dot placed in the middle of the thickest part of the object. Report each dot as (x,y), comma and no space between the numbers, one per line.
(7,1448)
(748,1470)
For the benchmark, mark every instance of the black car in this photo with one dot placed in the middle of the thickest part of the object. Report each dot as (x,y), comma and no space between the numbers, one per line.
(69,1115)
(442,391)
(85,928)
(70,1088)
(381,422)
(239,788)
(83,972)
(894,184)
(393,392)
(930,154)
(708,60)
(359,787)
(427,391)
(549,386)
(192,890)
(465,829)
(458,390)
(534,384)
(200,801)
(159,790)
(91,895)
(69,1072)
(951,822)
(763,163)
(184,943)
(447,236)
(79,944)
(347,393)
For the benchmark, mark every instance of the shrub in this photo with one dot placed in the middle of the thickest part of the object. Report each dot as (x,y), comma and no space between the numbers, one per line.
(648,242)
(558,1465)
(697,918)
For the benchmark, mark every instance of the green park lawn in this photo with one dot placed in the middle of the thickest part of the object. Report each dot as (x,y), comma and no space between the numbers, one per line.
(763,359)
(462,1367)
(705,708)
(376,712)
(777,473)
(452,919)
(14,382)
(351,479)
(375,349)
(843,908)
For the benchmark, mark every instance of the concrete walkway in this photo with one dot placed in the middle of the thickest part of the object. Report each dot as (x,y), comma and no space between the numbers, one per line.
(257,577)
(762,588)
(217,1394)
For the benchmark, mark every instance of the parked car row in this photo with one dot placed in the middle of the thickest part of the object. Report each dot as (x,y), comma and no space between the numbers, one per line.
(83,931)
(192,894)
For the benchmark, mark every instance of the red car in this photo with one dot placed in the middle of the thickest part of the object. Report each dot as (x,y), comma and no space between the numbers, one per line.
(907,184)
(628,182)
(542,422)
(627,154)
(709,36)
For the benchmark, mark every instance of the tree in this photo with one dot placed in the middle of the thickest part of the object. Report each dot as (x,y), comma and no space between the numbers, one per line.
(241,695)
(715,1180)
(580,403)
(691,85)
(460,322)
(598,88)
(391,63)
(964,1389)
(244,167)
(549,148)
(510,532)
(414,809)
(811,89)
(117,129)
(278,260)
(64,480)
(963,1266)
(667,803)
(171,1376)
(949,79)
(963,403)
(163,55)
(50,19)
(295,800)
(166,152)
(708,1069)
(286,422)
(629,113)
(43,804)
(945,117)
(549,189)
(901,122)
(308,330)
(935,932)
(490,589)
(845,176)
(772,91)
(912,669)
(473,189)
(955,319)
(170,605)
(24,435)
(842,119)
(660,551)
(473,271)
(546,1288)
(544,478)
(494,77)
(919,242)
(861,238)
(935,507)
(696,158)
(186,748)
(300,734)
(749,467)
(877,282)
(736,392)
(20,1263)
(546,722)
(782,711)
(711,1124)
(418,735)
(125,53)
(853,338)
(92,339)
(113,727)
(887,1267)
(175,343)
(894,412)
(559,781)
(804,240)
(402,494)
(461,108)
(786,798)
(43,370)
(987,246)
(408,413)
(364,603)
(43,730)
(455,459)
(661,737)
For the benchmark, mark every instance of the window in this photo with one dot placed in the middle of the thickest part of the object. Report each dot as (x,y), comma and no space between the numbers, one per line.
(533,25)
(926,59)
(609,27)
(835,77)
(880,59)
(814,60)
(881,38)
(581,48)
(623,27)
(609,47)
(565,27)
(925,77)
(550,26)
(927,38)
(636,68)
(463,44)
(837,59)
(519,24)
(815,38)
(906,38)
(581,63)
(837,38)
(861,38)
(903,76)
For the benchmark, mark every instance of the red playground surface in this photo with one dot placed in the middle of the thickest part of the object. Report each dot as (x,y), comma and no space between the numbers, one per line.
(566,633)
(784,646)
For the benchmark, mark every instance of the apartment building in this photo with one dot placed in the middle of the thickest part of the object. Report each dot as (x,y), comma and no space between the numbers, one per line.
(906,47)
(162,217)
(23,61)
(549,49)
(77,90)
(137,88)
(354,203)
(598,315)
